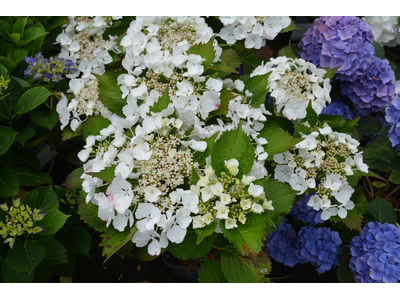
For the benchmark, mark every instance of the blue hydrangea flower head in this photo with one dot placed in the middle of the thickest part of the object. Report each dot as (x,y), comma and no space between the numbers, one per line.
(320,247)
(52,69)
(372,86)
(282,245)
(375,254)
(392,116)
(337,41)
(301,211)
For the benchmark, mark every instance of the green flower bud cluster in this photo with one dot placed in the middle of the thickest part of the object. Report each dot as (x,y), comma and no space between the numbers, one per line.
(20,220)
(70,199)
(3,84)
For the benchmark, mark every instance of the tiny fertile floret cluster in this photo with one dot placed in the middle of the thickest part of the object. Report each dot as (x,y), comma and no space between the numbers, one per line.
(327,157)
(20,219)
(227,197)
(293,83)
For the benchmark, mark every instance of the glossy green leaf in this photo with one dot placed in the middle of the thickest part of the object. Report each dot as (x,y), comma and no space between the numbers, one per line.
(56,253)
(110,93)
(24,257)
(27,176)
(74,180)
(19,25)
(45,119)
(94,124)
(31,99)
(381,211)
(10,275)
(9,183)
(113,240)
(43,198)
(200,157)
(89,215)
(76,240)
(33,33)
(205,51)
(24,135)
(52,222)
(108,174)
(7,138)
(205,231)
(162,102)
(211,272)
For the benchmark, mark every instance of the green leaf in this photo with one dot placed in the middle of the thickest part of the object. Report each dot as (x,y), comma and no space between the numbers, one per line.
(24,135)
(67,133)
(225,96)
(76,240)
(15,37)
(311,117)
(9,184)
(233,144)
(278,140)
(368,125)
(299,128)
(287,51)
(5,29)
(43,198)
(107,174)
(113,240)
(347,127)
(31,99)
(7,138)
(189,249)
(19,26)
(205,231)
(33,33)
(200,157)
(344,273)
(45,119)
(379,51)
(205,51)
(237,268)
(250,58)
(162,102)
(195,177)
(74,180)
(247,237)
(52,222)
(211,272)
(94,124)
(381,211)
(282,197)
(8,63)
(24,257)
(17,54)
(291,27)
(67,269)
(25,157)
(89,215)
(10,275)
(56,253)
(395,166)
(330,72)
(110,93)
(230,60)
(257,84)
(27,176)
(7,105)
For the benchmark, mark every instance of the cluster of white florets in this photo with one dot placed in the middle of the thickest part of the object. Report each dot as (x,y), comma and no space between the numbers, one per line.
(328,157)
(82,42)
(160,43)
(227,197)
(385,29)
(293,83)
(254,30)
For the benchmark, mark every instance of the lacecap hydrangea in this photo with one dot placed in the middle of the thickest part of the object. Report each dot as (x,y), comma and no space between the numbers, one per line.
(375,254)
(392,116)
(385,29)
(320,247)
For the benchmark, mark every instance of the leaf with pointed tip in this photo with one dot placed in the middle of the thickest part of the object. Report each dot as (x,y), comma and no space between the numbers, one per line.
(74,180)
(89,215)
(205,51)
(113,240)
(76,240)
(24,257)
(107,174)
(43,198)
(205,231)
(24,135)
(211,272)
(31,99)
(110,93)
(94,124)
(200,157)
(9,183)
(381,211)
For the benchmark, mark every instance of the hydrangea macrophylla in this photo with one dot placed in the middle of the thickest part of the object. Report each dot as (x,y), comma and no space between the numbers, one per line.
(385,29)
(375,254)
(82,42)
(338,41)
(392,116)
(319,246)
(293,83)
(51,69)
(372,87)
(228,198)
(254,30)
(331,155)
(303,212)
(283,245)
(339,108)
(160,44)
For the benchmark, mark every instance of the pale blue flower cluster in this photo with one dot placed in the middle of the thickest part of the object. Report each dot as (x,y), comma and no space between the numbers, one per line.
(347,42)
(376,254)
(392,116)
(52,69)
(318,246)
(305,213)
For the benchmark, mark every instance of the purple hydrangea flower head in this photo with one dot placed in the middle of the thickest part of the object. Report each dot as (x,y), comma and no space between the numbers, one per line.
(372,87)
(320,247)
(392,116)
(301,211)
(338,41)
(51,69)
(375,254)
(282,245)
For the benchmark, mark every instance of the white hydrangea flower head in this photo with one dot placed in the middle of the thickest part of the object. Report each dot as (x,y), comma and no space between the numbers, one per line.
(333,156)
(253,30)
(385,29)
(293,83)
